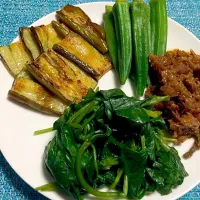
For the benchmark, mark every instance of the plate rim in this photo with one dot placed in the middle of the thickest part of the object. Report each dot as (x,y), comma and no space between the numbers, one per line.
(45,17)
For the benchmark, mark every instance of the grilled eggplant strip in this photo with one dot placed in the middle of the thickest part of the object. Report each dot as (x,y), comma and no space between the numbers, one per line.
(63,31)
(24,88)
(46,36)
(15,56)
(8,60)
(63,52)
(59,76)
(72,71)
(40,37)
(19,54)
(52,35)
(30,42)
(36,96)
(60,29)
(77,20)
(78,16)
(82,51)
(25,74)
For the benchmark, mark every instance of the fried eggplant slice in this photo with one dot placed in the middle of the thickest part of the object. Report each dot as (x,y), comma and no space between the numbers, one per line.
(61,76)
(77,20)
(53,37)
(61,29)
(46,36)
(39,34)
(15,56)
(78,50)
(30,42)
(29,92)
(74,59)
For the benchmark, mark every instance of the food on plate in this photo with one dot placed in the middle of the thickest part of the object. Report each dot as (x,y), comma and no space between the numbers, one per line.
(60,79)
(140,16)
(46,36)
(15,57)
(61,76)
(79,51)
(159,26)
(24,88)
(132,32)
(113,140)
(27,91)
(39,39)
(107,139)
(78,21)
(177,74)
(122,21)
(60,28)
(109,26)
(64,31)
(30,42)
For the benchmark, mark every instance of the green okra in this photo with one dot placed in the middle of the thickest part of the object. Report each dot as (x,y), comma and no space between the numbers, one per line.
(159,26)
(111,39)
(140,15)
(121,13)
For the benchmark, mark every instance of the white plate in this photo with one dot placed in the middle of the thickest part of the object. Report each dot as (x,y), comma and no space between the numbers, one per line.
(24,152)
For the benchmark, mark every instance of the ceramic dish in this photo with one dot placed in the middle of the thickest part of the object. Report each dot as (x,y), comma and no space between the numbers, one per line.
(24,152)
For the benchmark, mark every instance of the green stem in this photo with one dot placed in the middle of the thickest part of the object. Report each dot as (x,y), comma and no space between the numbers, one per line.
(95,159)
(48,187)
(161,133)
(169,139)
(87,120)
(116,181)
(85,129)
(47,130)
(108,162)
(74,125)
(153,114)
(81,178)
(143,142)
(151,101)
(162,143)
(125,185)
(79,115)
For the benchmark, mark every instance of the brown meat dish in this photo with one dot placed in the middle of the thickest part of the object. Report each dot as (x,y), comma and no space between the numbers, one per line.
(177,74)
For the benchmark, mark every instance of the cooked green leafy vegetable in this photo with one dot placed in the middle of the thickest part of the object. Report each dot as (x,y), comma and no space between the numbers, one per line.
(110,139)
(48,187)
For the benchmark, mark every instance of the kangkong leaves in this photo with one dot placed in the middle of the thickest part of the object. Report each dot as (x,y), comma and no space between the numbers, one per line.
(113,140)
(135,165)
